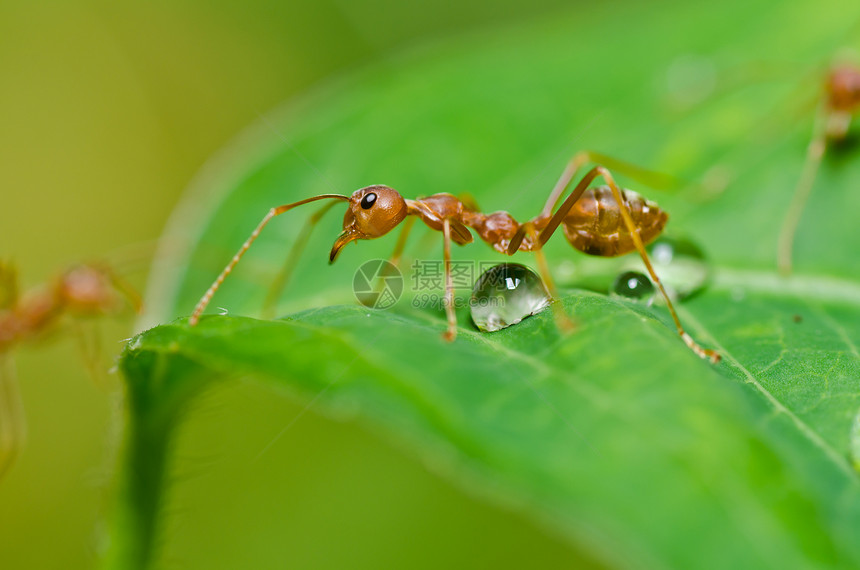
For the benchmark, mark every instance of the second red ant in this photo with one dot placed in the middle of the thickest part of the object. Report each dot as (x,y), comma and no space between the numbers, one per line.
(605,221)
(82,291)
(839,103)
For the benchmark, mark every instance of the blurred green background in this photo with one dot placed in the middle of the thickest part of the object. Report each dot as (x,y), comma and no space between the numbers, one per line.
(107,110)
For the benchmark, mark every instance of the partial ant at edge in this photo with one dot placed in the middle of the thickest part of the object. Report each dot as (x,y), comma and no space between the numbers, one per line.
(839,103)
(81,291)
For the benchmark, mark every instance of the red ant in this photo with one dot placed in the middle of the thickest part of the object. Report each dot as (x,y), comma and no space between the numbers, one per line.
(840,103)
(84,290)
(604,221)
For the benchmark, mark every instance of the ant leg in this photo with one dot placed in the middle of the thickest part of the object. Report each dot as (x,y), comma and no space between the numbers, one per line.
(559,215)
(565,324)
(647,177)
(286,272)
(8,286)
(12,425)
(125,288)
(207,296)
(705,353)
(814,154)
(91,349)
(397,253)
(451,333)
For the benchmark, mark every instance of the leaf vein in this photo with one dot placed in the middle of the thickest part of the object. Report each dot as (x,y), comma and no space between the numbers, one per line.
(778,406)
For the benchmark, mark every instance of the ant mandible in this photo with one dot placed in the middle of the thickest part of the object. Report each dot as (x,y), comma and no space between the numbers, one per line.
(604,221)
(84,290)
(840,103)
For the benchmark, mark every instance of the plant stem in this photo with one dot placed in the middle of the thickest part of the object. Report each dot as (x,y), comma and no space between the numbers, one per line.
(159,388)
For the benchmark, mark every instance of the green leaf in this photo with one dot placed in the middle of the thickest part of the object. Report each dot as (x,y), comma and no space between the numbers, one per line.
(632,446)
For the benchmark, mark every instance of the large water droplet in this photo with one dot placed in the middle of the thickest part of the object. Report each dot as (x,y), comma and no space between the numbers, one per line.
(505,294)
(679,263)
(681,266)
(633,285)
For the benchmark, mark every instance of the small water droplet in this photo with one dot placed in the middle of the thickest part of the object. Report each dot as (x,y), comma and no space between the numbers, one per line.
(505,294)
(680,264)
(633,285)
(136,343)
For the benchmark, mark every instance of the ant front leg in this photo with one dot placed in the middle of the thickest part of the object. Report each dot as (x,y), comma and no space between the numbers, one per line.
(565,323)
(451,333)
(397,253)
(12,424)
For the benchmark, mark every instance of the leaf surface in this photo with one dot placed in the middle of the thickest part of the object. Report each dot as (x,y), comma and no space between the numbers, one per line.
(617,434)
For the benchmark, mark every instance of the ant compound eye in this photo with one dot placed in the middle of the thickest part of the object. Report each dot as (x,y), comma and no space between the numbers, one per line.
(368,201)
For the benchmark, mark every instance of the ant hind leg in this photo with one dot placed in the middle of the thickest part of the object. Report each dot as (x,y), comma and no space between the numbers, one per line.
(705,353)
(566,206)
(656,180)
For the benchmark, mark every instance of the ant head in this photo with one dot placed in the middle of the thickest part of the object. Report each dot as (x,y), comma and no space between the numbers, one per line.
(843,88)
(92,290)
(373,212)
(86,289)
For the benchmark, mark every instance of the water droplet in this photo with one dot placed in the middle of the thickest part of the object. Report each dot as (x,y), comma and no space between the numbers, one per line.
(680,264)
(633,285)
(505,294)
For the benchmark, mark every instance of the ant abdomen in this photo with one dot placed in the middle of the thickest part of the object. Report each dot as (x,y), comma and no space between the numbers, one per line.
(594,224)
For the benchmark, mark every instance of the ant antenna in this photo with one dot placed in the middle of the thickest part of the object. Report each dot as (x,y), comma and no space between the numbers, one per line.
(207,297)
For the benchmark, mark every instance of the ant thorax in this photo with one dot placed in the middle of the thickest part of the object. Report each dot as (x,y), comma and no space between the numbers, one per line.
(593,225)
